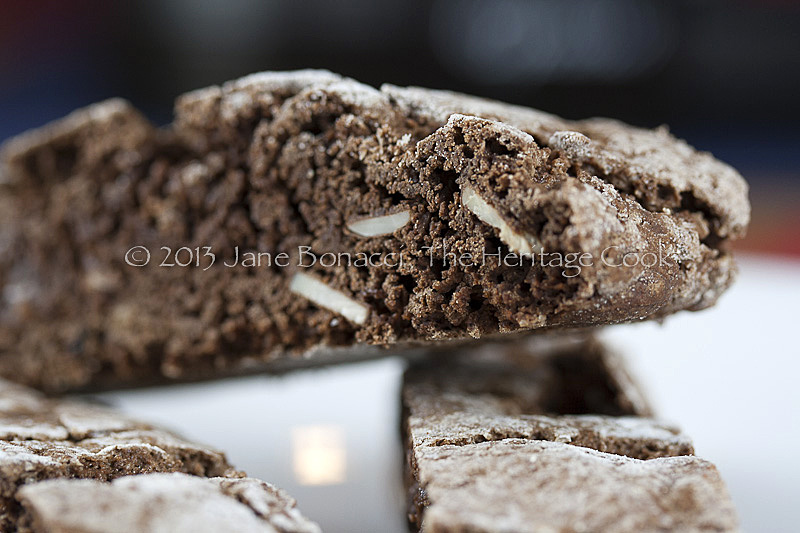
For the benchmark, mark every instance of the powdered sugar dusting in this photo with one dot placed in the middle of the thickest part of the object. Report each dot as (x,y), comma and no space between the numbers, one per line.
(48,439)
(487,459)
(359,94)
(440,105)
(159,503)
(16,453)
(293,81)
(550,486)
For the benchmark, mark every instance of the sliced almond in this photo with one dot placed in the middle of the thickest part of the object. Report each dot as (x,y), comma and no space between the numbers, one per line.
(382,225)
(328,298)
(520,243)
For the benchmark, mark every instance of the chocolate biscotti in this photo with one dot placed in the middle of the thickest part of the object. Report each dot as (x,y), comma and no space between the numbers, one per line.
(284,214)
(507,439)
(156,503)
(45,439)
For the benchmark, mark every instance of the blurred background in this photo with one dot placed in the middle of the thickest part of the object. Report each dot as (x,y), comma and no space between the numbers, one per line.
(723,74)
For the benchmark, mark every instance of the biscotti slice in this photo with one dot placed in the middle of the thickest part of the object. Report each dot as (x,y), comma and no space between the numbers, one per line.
(159,503)
(509,439)
(524,486)
(285,218)
(43,439)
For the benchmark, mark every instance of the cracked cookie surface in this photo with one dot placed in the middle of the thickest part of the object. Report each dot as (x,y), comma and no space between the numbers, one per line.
(441,190)
(517,438)
(154,503)
(43,438)
(73,466)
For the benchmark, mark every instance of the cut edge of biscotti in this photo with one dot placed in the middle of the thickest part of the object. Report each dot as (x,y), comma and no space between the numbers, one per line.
(445,168)
(621,179)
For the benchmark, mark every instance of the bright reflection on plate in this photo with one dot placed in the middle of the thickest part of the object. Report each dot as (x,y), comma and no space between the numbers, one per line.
(319,455)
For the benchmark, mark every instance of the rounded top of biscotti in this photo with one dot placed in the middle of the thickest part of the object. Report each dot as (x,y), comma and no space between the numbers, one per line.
(110,125)
(641,158)
(638,159)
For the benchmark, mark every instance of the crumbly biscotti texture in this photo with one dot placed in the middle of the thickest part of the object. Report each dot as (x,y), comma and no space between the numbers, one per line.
(160,503)
(508,439)
(43,438)
(459,216)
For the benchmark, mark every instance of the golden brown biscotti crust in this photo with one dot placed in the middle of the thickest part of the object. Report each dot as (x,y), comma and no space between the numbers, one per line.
(160,502)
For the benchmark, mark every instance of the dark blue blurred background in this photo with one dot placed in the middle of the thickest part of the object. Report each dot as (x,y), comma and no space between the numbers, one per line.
(724,74)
